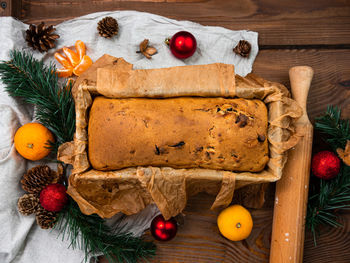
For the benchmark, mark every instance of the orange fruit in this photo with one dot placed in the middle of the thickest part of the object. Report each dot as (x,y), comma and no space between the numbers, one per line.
(81,49)
(72,56)
(63,60)
(84,64)
(64,72)
(235,223)
(32,141)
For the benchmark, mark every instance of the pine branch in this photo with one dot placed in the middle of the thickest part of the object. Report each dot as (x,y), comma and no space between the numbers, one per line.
(326,197)
(335,130)
(35,83)
(90,234)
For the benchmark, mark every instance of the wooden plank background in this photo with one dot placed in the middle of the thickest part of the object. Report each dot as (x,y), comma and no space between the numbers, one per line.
(314,33)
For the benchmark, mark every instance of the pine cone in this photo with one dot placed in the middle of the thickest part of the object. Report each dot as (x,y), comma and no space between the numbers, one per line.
(243,48)
(107,27)
(41,37)
(28,204)
(45,219)
(38,177)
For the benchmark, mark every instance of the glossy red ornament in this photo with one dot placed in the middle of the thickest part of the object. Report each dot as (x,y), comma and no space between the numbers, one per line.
(163,230)
(53,197)
(183,44)
(325,165)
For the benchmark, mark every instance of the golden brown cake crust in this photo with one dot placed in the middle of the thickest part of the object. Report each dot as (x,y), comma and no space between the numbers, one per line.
(214,133)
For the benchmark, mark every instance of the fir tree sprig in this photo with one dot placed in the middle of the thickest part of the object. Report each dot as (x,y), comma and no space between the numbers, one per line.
(334,129)
(326,197)
(37,84)
(91,234)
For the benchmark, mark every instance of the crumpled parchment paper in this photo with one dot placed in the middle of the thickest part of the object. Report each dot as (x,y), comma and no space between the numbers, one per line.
(131,190)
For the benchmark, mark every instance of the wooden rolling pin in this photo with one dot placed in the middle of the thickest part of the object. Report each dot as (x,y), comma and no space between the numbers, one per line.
(287,242)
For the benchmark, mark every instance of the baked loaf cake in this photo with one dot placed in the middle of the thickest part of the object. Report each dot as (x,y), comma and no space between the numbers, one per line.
(213,133)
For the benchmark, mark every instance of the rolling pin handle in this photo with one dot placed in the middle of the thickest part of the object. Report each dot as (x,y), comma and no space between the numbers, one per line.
(300,81)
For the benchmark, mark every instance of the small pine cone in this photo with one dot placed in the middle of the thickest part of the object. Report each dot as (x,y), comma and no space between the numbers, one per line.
(45,219)
(28,204)
(107,27)
(39,177)
(243,48)
(41,37)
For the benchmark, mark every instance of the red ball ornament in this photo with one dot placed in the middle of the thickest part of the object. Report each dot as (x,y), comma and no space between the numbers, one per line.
(53,197)
(325,165)
(183,44)
(163,230)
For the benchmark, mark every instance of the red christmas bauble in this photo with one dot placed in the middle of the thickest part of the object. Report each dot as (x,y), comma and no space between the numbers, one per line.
(325,165)
(163,230)
(53,197)
(183,44)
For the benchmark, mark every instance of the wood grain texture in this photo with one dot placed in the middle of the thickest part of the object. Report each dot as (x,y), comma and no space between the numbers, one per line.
(198,245)
(199,241)
(332,244)
(317,31)
(5,7)
(198,238)
(331,82)
(286,22)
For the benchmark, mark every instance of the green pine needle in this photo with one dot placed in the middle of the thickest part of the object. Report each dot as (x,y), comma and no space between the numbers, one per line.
(326,197)
(335,130)
(33,82)
(93,236)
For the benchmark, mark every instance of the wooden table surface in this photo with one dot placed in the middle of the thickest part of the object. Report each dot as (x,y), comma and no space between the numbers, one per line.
(314,33)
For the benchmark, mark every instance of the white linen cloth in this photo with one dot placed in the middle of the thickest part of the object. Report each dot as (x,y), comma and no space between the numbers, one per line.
(21,240)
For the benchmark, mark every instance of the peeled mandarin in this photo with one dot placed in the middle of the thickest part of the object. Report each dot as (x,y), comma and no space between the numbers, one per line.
(235,223)
(81,49)
(64,72)
(72,56)
(63,60)
(84,64)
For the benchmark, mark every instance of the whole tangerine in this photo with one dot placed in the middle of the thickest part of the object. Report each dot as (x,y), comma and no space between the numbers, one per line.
(32,141)
(235,223)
